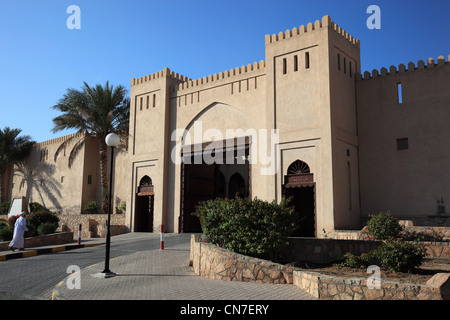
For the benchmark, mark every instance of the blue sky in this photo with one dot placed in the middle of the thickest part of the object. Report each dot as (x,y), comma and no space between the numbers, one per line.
(40,57)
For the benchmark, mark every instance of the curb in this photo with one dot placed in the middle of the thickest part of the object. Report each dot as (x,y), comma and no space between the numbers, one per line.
(40,251)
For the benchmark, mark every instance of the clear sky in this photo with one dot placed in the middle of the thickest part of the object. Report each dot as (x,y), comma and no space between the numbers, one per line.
(40,57)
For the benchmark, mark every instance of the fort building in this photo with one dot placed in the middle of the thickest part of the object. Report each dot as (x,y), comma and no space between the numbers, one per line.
(306,123)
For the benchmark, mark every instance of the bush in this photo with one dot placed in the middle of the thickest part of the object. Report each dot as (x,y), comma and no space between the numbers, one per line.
(91,208)
(47,228)
(41,216)
(400,256)
(383,226)
(362,261)
(36,207)
(252,227)
(31,230)
(6,233)
(4,207)
(395,255)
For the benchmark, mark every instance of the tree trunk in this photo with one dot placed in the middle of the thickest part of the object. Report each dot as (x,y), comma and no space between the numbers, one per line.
(104,174)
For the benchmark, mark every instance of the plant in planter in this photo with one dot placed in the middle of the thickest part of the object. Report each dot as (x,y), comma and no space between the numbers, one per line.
(394,253)
(92,208)
(252,227)
(383,226)
(47,228)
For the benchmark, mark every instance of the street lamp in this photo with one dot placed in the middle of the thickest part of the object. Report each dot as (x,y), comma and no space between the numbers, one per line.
(112,140)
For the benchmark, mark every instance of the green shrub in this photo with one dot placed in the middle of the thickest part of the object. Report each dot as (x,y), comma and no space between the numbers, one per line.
(4,207)
(47,228)
(41,216)
(6,233)
(36,207)
(252,227)
(401,256)
(383,226)
(395,255)
(91,208)
(363,261)
(32,232)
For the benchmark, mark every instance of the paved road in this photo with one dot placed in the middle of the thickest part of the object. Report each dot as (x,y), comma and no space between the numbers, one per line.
(143,273)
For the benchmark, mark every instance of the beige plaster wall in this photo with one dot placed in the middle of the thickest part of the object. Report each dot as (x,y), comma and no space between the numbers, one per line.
(52,183)
(406,182)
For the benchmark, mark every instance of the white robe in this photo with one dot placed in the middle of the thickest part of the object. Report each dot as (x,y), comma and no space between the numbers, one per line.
(19,229)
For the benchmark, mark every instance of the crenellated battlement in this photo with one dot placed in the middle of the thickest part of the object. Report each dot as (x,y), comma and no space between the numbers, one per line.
(164,73)
(311,27)
(222,75)
(59,140)
(402,68)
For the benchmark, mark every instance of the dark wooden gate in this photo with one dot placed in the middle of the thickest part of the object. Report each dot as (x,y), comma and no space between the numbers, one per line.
(299,184)
(144,206)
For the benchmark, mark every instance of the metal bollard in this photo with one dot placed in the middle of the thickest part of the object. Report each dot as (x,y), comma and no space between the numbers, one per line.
(161,237)
(79,234)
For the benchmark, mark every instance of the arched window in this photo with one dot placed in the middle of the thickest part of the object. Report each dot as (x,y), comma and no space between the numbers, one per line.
(145,181)
(298,167)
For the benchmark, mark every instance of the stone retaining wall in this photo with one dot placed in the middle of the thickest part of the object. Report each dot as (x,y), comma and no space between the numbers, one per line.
(438,249)
(322,251)
(330,287)
(55,238)
(92,225)
(214,262)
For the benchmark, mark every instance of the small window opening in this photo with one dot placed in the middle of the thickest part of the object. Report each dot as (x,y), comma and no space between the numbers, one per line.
(284,66)
(154,100)
(339,61)
(402,144)
(89,179)
(295,63)
(349,186)
(350,68)
(345,65)
(399,93)
(306,60)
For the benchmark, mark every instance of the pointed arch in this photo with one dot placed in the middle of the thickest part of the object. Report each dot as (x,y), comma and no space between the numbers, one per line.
(298,167)
(145,181)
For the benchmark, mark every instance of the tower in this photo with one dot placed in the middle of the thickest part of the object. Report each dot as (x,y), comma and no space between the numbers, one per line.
(311,101)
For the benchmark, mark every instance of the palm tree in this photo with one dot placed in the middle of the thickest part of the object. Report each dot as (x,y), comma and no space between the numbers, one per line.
(97,111)
(13,148)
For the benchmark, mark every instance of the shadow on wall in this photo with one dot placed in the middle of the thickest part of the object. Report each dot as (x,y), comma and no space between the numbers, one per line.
(40,178)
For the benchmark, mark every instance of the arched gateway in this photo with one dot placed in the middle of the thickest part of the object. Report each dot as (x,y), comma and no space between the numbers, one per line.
(299,184)
(143,221)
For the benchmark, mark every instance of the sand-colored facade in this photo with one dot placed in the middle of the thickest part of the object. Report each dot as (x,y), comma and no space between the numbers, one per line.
(315,127)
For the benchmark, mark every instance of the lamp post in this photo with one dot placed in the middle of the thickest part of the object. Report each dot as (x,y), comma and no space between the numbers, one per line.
(112,140)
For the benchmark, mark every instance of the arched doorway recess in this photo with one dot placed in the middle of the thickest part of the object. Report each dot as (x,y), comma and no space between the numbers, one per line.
(299,184)
(144,206)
